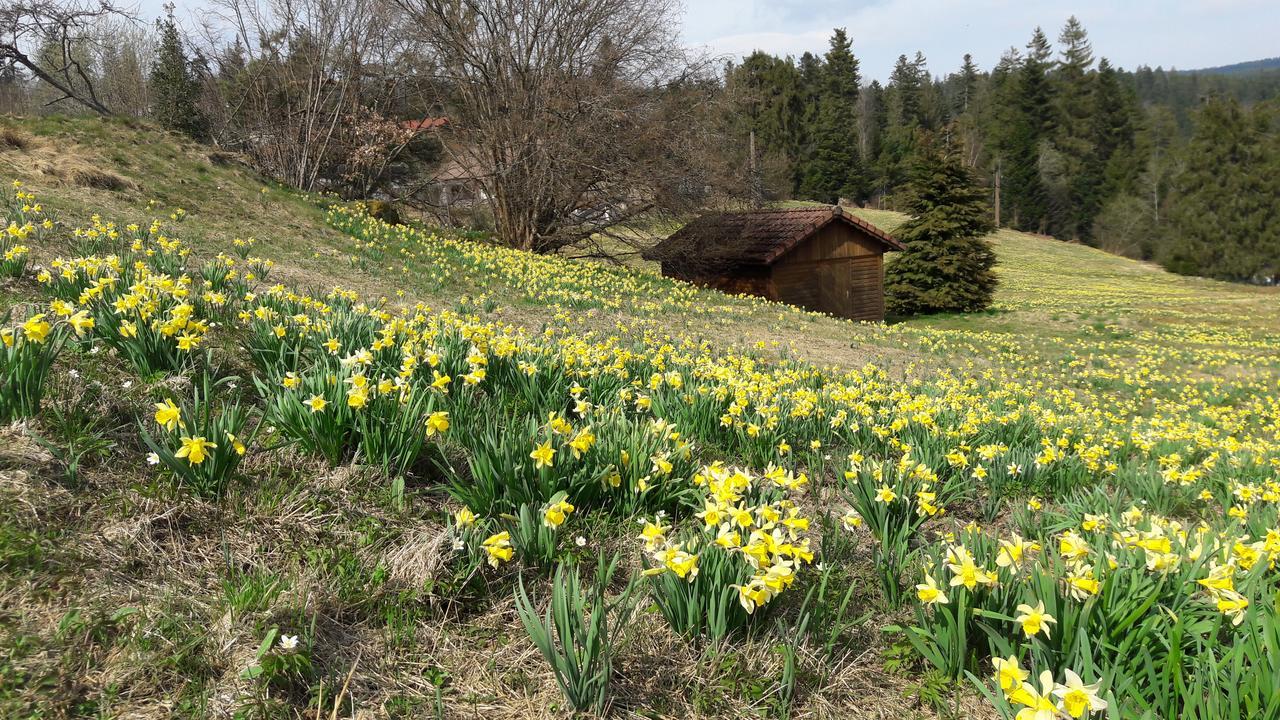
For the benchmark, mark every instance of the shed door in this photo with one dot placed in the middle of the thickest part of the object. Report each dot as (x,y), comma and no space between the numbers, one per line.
(845,287)
(866,287)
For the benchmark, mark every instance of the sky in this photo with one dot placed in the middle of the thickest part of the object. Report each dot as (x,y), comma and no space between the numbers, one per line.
(1185,34)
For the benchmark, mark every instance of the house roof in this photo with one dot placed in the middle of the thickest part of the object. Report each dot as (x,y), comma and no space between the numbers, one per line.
(720,241)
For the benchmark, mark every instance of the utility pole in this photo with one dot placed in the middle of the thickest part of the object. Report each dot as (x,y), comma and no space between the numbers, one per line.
(757,185)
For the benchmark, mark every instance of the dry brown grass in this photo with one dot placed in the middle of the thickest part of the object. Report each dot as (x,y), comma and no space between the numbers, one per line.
(88,176)
(14,139)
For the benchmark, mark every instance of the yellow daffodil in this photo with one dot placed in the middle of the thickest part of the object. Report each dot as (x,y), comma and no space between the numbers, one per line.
(194,449)
(498,548)
(168,415)
(543,456)
(1034,620)
(1008,675)
(36,329)
(929,593)
(437,422)
(464,518)
(556,513)
(1078,699)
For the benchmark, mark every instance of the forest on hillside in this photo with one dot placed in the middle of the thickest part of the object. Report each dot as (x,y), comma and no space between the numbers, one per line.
(1170,166)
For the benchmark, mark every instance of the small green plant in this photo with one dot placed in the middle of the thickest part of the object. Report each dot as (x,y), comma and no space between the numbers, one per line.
(25,220)
(13,259)
(251,591)
(275,347)
(535,533)
(280,661)
(576,635)
(201,442)
(78,433)
(393,428)
(25,362)
(707,604)
(824,615)
(891,512)
(311,411)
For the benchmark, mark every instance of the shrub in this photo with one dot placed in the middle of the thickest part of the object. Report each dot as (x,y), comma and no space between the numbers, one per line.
(947,265)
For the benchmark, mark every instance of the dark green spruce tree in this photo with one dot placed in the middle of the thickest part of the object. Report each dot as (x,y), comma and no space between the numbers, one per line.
(1031,122)
(968,90)
(904,118)
(173,84)
(1115,131)
(1074,193)
(1223,219)
(767,114)
(836,170)
(947,264)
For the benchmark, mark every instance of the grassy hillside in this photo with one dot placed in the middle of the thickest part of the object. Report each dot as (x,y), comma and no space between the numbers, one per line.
(388,463)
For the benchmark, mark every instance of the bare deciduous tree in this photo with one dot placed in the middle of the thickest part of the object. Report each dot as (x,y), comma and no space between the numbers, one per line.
(581,113)
(302,81)
(127,49)
(49,39)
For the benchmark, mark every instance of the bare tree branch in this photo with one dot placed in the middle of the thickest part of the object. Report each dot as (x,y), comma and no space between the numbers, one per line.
(30,29)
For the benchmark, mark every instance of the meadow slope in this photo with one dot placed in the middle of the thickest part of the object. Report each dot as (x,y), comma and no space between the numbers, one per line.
(396,418)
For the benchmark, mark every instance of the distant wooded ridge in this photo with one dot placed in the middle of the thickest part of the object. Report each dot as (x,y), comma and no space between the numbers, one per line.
(1248,66)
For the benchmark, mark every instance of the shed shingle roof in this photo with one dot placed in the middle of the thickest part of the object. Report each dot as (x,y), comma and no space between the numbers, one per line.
(721,241)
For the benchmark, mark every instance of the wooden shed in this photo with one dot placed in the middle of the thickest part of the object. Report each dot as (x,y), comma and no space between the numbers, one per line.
(819,258)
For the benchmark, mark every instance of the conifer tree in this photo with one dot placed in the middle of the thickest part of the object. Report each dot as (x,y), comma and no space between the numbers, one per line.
(968,85)
(965,111)
(1075,204)
(947,264)
(809,91)
(1223,218)
(873,125)
(173,85)
(836,170)
(904,101)
(768,106)
(1031,122)
(1115,130)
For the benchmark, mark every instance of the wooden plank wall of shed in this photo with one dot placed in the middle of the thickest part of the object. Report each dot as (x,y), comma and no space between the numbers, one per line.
(840,270)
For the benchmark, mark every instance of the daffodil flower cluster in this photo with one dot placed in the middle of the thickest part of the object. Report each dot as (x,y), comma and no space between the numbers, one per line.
(27,223)
(750,519)
(1046,699)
